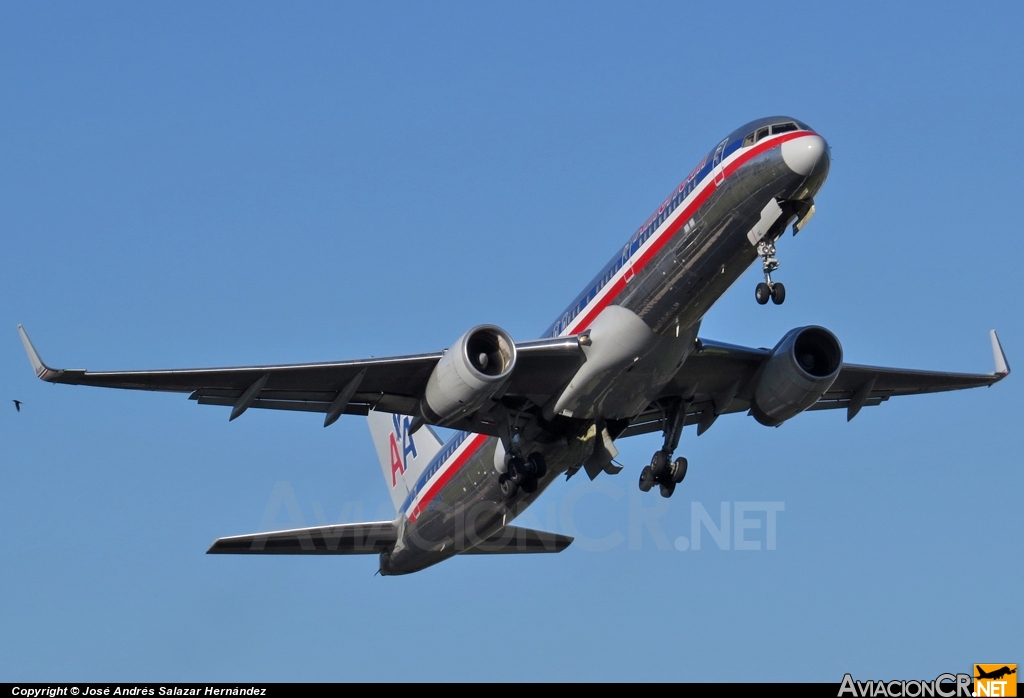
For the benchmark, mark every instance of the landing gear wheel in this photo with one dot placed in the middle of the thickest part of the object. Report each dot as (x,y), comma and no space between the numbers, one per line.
(516,470)
(508,487)
(778,293)
(678,470)
(762,293)
(646,479)
(659,464)
(537,465)
(667,489)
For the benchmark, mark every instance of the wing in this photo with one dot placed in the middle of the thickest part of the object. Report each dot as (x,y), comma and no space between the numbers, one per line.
(720,378)
(394,384)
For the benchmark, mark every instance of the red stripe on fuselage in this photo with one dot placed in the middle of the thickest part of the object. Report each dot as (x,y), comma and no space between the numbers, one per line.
(447,474)
(611,293)
(659,242)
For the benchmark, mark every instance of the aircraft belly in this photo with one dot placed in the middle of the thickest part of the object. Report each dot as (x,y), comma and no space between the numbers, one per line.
(625,392)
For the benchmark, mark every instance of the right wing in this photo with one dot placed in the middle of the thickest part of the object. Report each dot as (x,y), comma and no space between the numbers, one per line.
(394,384)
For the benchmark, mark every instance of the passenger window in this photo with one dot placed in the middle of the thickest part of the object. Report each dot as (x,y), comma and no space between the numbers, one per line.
(783,128)
(762,133)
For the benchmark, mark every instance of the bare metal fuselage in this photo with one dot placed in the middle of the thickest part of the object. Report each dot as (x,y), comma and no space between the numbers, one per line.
(704,248)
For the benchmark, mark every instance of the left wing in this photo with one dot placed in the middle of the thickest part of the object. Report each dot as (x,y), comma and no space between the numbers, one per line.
(394,384)
(720,378)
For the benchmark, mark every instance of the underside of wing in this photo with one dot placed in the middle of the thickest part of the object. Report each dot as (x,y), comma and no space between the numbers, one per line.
(393,384)
(867,386)
(722,378)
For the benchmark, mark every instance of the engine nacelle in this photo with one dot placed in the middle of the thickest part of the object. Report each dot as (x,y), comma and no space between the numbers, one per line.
(471,371)
(801,368)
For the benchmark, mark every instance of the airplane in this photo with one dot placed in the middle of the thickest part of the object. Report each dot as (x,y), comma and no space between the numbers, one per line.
(996,674)
(624,358)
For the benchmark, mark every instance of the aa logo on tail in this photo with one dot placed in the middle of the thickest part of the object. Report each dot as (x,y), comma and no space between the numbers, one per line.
(400,445)
(995,680)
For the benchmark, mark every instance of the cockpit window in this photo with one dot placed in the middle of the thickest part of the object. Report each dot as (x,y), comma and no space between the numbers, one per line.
(783,128)
(749,140)
(761,133)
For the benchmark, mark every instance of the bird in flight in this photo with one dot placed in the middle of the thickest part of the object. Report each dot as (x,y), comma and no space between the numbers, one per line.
(17,405)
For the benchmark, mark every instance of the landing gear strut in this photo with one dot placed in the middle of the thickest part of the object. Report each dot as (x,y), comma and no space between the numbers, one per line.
(768,288)
(661,471)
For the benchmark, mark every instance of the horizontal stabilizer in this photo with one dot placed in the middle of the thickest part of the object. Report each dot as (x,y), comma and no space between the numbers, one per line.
(513,539)
(373,537)
(340,539)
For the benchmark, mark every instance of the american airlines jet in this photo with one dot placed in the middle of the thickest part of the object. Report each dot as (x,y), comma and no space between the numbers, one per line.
(624,358)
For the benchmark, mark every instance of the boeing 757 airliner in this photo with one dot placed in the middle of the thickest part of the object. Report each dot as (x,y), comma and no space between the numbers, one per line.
(624,358)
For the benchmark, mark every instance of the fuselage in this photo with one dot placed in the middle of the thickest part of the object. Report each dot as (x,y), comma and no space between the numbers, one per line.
(668,275)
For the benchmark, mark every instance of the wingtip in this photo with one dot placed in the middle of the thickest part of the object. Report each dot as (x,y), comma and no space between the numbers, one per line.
(1002,366)
(41,369)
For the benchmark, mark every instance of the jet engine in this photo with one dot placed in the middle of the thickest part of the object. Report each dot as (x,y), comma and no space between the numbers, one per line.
(801,368)
(469,373)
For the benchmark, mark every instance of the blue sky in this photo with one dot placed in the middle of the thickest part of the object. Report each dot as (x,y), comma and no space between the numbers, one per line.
(200,185)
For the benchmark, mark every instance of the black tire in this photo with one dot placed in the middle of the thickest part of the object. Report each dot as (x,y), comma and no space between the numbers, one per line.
(508,487)
(529,485)
(538,466)
(667,488)
(679,466)
(762,293)
(659,464)
(646,479)
(516,470)
(778,294)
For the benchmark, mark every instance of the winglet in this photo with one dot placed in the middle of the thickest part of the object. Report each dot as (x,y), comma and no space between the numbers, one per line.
(1002,368)
(41,369)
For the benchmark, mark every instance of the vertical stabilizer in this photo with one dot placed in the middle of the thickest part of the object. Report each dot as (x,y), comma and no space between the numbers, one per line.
(403,456)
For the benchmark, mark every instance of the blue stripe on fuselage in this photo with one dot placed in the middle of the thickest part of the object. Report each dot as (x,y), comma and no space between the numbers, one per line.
(435,465)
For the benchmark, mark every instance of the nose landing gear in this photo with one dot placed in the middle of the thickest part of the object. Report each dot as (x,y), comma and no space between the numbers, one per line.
(769,289)
(661,471)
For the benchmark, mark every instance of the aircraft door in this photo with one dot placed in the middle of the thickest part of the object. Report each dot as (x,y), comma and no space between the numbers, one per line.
(717,170)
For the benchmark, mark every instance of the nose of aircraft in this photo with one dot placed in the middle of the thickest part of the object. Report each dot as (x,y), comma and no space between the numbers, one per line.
(807,155)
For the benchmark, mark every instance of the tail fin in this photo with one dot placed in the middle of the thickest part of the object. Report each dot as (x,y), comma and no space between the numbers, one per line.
(403,456)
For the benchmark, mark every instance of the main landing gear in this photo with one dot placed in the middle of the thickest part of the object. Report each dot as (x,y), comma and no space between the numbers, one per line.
(661,471)
(768,288)
(522,473)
